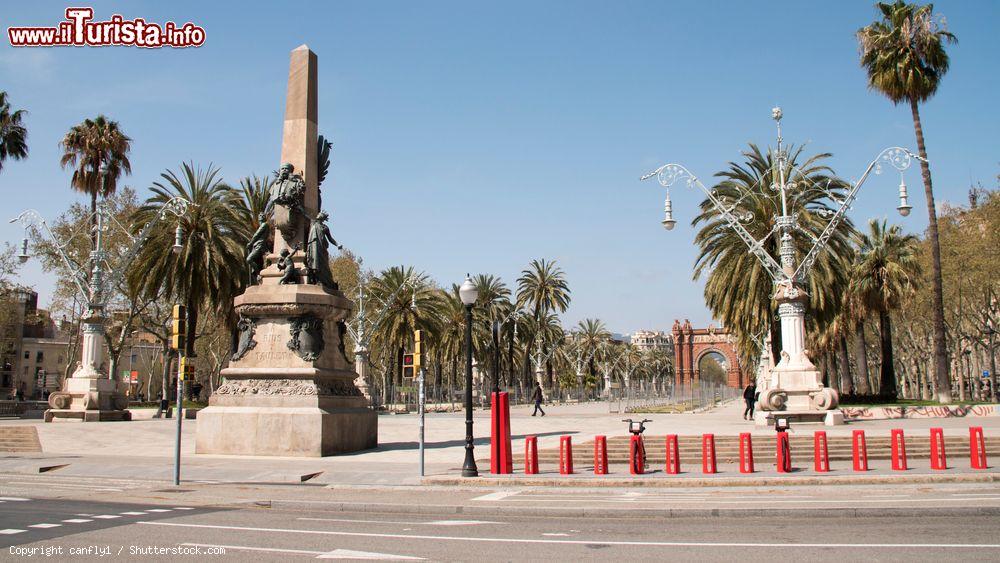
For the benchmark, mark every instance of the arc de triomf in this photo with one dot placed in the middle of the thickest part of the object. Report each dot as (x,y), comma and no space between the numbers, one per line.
(693,344)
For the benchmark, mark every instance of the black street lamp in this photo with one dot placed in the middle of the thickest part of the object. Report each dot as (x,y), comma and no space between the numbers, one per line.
(469,294)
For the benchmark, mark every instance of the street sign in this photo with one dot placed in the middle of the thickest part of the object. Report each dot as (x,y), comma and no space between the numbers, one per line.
(986,374)
(134,376)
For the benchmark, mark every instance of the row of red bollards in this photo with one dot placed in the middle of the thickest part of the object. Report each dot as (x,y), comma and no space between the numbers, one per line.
(783,457)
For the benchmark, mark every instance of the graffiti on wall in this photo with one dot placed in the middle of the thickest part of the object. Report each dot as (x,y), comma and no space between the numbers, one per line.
(944,411)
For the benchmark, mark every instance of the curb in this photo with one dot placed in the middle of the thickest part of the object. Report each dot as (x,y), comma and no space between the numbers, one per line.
(714,482)
(599,512)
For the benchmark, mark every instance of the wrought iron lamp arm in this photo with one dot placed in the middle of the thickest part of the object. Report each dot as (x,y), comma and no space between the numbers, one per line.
(668,174)
(898,157)
(178,207)
(31,218)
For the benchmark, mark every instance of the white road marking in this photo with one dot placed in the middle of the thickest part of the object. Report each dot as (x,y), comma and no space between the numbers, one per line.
(182,508)
(351,554)
(555,534)
(431,523)
(44,526)
(77,520)
(66,486)
(576,542)
(11,531)
(335,554)
(107,516)
(499,495)
(157,510)
(249,548)
(133,513)
(767,502)
(14,499)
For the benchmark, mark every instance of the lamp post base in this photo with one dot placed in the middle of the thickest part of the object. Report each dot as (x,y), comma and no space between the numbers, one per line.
(88,399)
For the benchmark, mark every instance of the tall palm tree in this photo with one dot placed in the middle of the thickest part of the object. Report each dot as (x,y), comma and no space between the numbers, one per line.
(13,133)
(207,273)
(413,303)
(541,288)
(738,289)
(97,149)
(905,59)
(592,334)
(883,276)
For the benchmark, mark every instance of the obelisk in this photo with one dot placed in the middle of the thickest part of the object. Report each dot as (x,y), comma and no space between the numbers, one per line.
(289,389)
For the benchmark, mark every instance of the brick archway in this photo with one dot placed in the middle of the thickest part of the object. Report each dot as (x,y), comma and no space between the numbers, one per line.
(692,344)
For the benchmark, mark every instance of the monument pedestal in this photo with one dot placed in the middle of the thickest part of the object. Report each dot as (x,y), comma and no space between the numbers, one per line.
(289,389)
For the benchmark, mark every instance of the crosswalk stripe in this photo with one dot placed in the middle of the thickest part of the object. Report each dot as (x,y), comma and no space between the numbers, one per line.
(107,516)
(10,531)
(44,526)
(77,520)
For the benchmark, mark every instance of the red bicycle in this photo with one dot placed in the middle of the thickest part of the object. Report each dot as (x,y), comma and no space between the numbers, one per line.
(636,428)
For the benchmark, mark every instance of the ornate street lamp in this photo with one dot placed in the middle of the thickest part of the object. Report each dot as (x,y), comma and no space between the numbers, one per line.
(469,294)
(88,394)
(795,383)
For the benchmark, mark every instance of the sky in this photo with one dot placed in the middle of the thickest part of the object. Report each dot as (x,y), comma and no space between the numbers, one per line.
(478,136)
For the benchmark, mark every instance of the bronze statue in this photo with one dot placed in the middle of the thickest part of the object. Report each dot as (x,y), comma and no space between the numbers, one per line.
(290,274)
(285,201)
(317,254)
(256,249)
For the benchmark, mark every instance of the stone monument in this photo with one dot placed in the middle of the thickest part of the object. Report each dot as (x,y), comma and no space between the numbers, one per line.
(289,389)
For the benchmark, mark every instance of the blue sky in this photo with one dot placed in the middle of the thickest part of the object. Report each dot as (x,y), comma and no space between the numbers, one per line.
(474,136)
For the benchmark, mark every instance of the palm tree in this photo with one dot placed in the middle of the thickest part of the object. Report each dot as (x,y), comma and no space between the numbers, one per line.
(207,273)
(13,134)
(738,289)
(905,59)
(592,333)
(413,303)
(98,150)
(541,288)
(883,276)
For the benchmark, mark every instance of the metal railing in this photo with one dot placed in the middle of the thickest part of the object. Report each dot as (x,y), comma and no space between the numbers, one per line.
(643,396)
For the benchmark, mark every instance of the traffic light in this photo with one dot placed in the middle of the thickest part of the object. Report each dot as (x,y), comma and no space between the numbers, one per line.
(185,369)
(178,330)
(408,366)
(417,349)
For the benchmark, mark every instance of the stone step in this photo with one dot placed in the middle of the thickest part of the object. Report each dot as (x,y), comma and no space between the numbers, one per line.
(19,439)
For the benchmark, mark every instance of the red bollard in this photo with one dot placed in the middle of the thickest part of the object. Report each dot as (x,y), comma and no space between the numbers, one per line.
(939,460)
(821,452)
(708,453)
(859,450)
(501,461)
(746,453)
(600,455)
(784,453)
(506,456)
(636,465)
(898,444)
(673,455)
(531,455)
(977,447)
(565,455)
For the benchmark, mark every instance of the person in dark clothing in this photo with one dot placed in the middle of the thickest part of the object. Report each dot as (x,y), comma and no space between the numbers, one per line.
(537,397)
(750,396)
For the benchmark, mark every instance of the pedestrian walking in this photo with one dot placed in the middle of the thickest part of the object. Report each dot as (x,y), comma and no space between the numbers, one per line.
(750,397)
(538,398)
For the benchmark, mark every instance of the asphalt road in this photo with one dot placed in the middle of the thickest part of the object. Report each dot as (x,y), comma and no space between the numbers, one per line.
(269,535)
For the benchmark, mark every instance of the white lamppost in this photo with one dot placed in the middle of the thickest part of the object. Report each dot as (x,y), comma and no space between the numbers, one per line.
(794,384)
(89,394)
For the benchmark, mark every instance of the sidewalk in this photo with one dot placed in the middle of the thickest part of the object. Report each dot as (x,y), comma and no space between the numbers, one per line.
(144,449)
